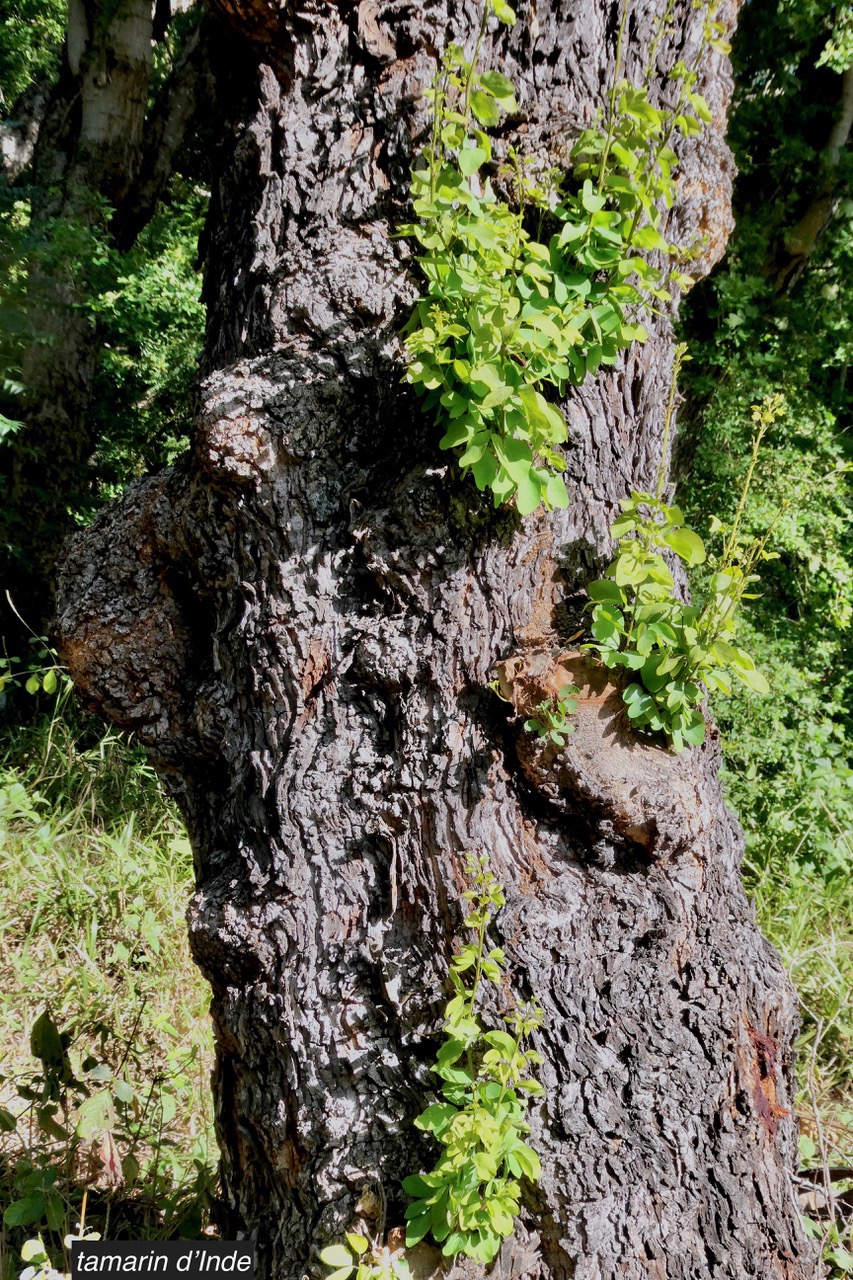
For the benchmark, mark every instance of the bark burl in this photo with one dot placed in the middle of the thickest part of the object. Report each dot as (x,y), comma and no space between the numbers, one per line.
(301,621)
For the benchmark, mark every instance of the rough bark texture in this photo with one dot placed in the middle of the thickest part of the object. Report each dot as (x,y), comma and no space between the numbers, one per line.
(301,621)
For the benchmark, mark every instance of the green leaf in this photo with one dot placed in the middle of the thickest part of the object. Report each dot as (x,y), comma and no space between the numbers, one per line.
(532,1087)
(122,1091)
(481,234)
(451,1051)
(694,733)
(590,200)
(415,1185)
(687,545)
(485,377)
(417,1228)
(503,12)
(556,494)
(470,160)
(637,701)
(543,415)
(485,108)
(21,1213)
(498,85)
(46,1042)
(648,237)
(95,1116)
(458,434)
(753,679)
(336,1255)
(528,1161)
(605,590)
(436,1118)
(529,494)
(357,1243)
(49,1125)
(500,1040)
(516,457)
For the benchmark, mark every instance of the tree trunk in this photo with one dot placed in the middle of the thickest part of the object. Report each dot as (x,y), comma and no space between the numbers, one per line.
(301,621)
(795,247)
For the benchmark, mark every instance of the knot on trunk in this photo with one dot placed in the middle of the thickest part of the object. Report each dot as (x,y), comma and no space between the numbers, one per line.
(129,626)
(628,791)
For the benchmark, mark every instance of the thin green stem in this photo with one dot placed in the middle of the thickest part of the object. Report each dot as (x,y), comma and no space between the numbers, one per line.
(472,66)
(478,968)
(680,352)
(635,604)
(614,90)
(664,142)
(505,1085)
(440,91)
(731,542)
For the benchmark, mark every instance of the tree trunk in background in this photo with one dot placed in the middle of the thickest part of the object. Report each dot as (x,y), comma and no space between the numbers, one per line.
(87,151)
(797,243)
(301,622)
(99,163)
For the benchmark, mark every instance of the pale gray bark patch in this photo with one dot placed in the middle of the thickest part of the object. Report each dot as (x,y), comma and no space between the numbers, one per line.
(301,622)
(19,133)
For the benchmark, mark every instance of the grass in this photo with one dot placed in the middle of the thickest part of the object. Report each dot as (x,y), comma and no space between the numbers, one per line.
(112,1093)
(805,908)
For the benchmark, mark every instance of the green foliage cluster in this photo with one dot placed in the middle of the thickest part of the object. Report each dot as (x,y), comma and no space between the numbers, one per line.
(787,758)
(509,314)
(142,307)
(39,672)
(469,1200)
(678,650)
(150,318)
(31,36)
(838,50)
(146,319)
(552,718)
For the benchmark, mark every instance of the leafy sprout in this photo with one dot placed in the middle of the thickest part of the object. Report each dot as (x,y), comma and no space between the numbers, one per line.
(469,1200)
(552,718)
(511,315)
(678,651)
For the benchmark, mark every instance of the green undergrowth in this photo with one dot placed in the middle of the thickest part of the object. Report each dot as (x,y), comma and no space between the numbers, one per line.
(105,1110)
(752,331)
(787,758)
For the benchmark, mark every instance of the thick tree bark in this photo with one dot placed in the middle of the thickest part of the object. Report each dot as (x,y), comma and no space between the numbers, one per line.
(301,622)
